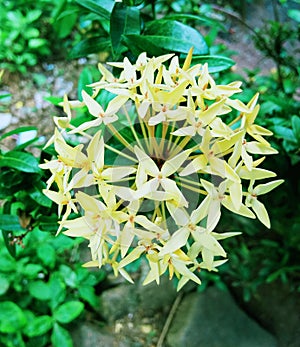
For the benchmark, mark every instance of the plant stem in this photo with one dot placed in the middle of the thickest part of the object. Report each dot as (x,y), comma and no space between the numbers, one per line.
(120,153)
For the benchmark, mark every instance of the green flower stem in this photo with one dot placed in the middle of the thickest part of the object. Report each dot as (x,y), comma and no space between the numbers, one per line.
(181,146)
(153,144)
(174,144)
(171,136)
(162,141)
(235,120)
(132,127)
(142,123)
(115,133)
(120,153)
(194,189)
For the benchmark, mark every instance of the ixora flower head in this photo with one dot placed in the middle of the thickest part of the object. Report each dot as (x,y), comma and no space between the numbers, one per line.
(154,167)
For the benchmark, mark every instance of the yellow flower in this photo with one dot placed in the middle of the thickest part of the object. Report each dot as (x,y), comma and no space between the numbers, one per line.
(140,172)
(257,206)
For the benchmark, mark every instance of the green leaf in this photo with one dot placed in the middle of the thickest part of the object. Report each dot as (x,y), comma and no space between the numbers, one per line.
(38,326)
(5,96)
(40,198)
(296,127)
(31,271)
(294,14)
(200,17)
(33,15)
(215,63)
(285,133)
(163,36)
(67,312)
(9,222)
(58,290)
(30,33)
(68,275)
(17,131)
(89,46)
(47,254)
(87,76)
(185,36)
(65,23)
(47,223)
(12,319)
(37,43)
(124,20)
(7,263)
(60,337)
(40,290)
(102,7)
(20,161)
(4,284)
(87,293)
(55,100)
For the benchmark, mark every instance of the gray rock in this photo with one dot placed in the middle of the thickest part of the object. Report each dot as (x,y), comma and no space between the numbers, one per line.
(119,301)
(5,120)
(154,298)
(87,335)
(126,299)
(212,319)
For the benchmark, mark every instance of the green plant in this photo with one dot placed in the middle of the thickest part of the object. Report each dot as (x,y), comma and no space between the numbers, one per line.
(42,291)
(43,287)
(21,39)
(29,31)
(132,27)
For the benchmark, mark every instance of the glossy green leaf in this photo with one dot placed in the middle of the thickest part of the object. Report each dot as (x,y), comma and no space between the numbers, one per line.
(30,33)
(60,337)
(31,271)
(37,43)
(47,255)
(7,263)
(54,100)
(184,35)
(164,36)
(87,293)
(68,311)
(9,222)
(12,319)
(4,284)
(200,17)
(65,23)
(296,127)
(294,14)
(133,2)
(38,326)
(21,161)
(88,75)
(102,7)
(89,46)
(68,275)
(40,198)
(40,290)
(58,290)
(215,63)
(285,133)
(124,20)
(33,15)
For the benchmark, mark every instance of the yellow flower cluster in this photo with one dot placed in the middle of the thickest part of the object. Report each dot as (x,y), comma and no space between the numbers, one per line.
(156,165)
